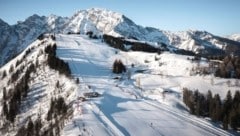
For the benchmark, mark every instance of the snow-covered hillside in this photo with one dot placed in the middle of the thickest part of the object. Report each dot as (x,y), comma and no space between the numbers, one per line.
(15,38)
(30,86)
(147,98)
(149,103)
(235,37)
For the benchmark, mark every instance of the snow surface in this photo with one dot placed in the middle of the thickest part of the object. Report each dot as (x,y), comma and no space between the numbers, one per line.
(149,103)
(235,37)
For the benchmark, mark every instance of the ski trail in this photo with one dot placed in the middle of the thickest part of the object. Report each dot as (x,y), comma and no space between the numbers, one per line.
(197,122)
(105,121)
(110,127)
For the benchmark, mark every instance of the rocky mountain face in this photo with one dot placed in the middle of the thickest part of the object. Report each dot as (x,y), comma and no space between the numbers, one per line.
(15,38)
(5,34)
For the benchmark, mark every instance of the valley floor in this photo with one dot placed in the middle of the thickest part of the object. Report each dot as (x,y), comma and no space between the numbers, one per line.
(123,108)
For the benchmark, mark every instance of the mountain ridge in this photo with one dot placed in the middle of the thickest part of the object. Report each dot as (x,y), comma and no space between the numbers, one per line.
(16,37)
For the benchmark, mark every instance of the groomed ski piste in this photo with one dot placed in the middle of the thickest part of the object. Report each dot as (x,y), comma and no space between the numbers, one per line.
(139,106)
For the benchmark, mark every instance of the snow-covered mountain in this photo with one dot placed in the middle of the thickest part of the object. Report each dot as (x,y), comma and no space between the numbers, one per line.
(235,37)
(202,41)
(15,38)
(30,87)
(43,89)
(151,98)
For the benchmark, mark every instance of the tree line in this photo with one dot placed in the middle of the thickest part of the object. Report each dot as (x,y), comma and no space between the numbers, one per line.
(13,97)
(54,62)
(227,111)
(31,129)
(57,110)
(57,107)
(229,68)
(119,43)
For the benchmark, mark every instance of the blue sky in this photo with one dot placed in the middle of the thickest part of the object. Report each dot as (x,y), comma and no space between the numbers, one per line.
(221,17)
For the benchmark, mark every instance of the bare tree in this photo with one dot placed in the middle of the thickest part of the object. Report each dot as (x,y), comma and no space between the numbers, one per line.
(229,83)
(212,80)
(129,74)
(138,82)
(237,82)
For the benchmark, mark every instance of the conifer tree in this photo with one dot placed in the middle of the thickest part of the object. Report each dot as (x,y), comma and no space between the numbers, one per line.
(22,131)
(30,128)
(234,119)
(209,103)
(77,81)
(4,94)
(5,109)
(118,67)
(38,125)
(4,74)
(216,111)
(11,69)
(225,122)
(236,100)
(234,116)
(227,104)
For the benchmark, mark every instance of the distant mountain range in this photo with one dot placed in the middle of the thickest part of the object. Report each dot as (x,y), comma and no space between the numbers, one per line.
(15,38)
(235,37)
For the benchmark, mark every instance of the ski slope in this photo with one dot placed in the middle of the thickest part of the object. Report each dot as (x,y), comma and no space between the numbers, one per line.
(123,109)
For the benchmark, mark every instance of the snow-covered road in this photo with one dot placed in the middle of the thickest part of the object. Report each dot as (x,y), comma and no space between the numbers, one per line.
(121,110)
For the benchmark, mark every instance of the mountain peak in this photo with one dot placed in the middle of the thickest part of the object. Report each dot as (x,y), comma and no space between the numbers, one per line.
(103,21)
(98,9)
(103,11)
(35,19)
(98,20)
(34,16)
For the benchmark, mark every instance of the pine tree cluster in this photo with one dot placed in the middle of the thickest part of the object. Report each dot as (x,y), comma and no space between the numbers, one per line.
(13,97)
(119,43)
(55,116)
(57,107)
(227,112)
(230,68)
(91,35)
(41,36)
(54,62)
(118,67)
(4,74)
(32,129)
